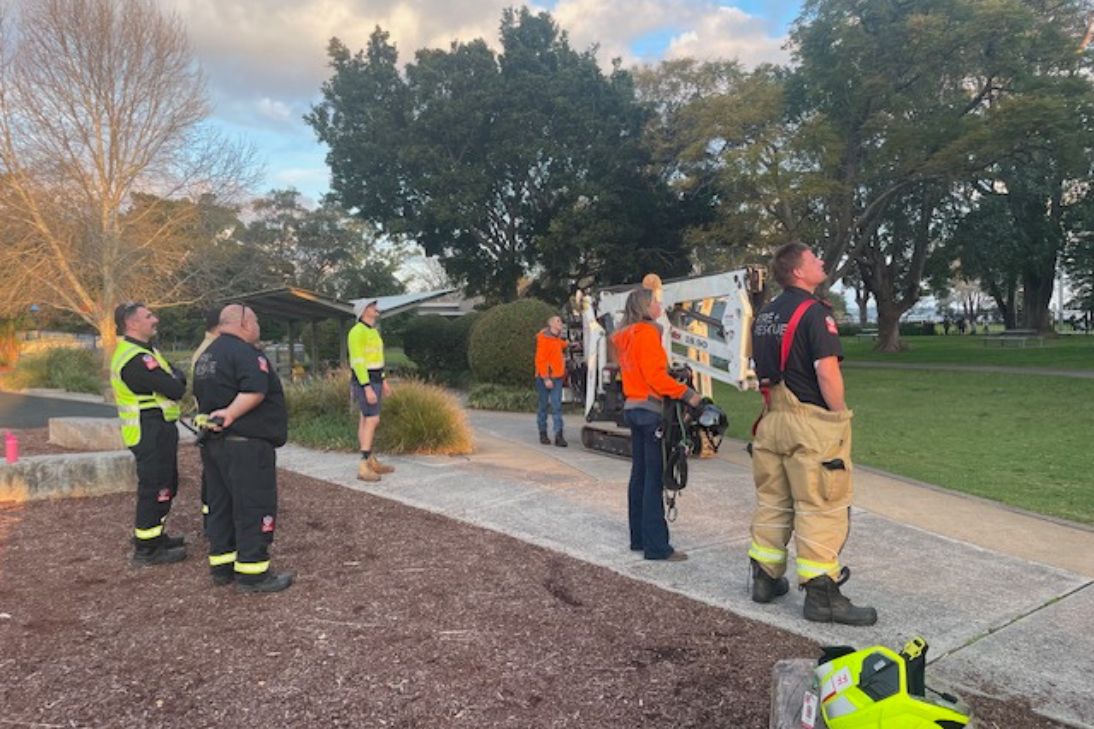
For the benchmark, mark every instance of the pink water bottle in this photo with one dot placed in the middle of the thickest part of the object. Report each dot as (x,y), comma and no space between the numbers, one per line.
(11,447)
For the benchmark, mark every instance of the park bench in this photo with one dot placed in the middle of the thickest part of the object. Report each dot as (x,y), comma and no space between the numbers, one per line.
(1015,337)
(867,334)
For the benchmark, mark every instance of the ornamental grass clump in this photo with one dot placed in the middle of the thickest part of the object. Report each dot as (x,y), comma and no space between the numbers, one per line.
(425,419)
(417,418)
(317,397)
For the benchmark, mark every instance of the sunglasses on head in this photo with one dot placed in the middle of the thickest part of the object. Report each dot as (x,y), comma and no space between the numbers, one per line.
(242,309)
(126,310)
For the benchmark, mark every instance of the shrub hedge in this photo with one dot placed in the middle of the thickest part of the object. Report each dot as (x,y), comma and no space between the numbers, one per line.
(502,347)
(438,345)
(75,370)
(489,396)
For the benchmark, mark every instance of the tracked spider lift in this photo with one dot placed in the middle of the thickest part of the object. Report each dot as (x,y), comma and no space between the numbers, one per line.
(706,330)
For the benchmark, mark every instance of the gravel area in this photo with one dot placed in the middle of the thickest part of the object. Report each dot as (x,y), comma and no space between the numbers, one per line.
(398,618)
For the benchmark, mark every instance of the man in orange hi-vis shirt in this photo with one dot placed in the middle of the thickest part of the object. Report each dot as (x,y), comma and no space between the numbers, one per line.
(550,369)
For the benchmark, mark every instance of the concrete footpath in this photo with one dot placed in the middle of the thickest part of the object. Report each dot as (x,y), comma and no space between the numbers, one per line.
(1004,598)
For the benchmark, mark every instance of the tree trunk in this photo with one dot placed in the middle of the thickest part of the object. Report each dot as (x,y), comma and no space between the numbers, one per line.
(888,327)
(1005,302)
(1036,295)
(108,338)
(862,298)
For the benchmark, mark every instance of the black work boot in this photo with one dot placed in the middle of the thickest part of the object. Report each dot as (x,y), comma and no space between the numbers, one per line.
(145,557)
(269,582)
(222,575)
(766,588)
(825,604)
(171,542)
(560,441)
(543,438)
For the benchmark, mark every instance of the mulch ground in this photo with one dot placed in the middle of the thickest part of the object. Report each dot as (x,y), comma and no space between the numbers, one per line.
(35,442)
(398,618)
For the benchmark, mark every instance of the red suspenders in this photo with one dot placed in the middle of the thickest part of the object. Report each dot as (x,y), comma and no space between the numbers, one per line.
(784,354)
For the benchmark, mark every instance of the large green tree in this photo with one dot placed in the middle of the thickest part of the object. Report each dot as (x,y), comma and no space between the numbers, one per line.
(918,97)
(491,161)
(891,106)
(322,249)
(722,139)
(1032,210)
(892,263)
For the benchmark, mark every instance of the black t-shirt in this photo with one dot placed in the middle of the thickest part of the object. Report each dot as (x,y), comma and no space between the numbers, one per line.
(143,375)
(230,366)
(817,337)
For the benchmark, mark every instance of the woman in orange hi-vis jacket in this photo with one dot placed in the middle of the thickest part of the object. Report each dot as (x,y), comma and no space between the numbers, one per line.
(646,384)
(550,369)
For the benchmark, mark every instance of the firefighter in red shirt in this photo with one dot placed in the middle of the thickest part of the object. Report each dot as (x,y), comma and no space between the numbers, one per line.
(550,369)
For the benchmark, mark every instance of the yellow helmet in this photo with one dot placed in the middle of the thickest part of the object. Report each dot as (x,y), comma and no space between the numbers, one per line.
(877,688)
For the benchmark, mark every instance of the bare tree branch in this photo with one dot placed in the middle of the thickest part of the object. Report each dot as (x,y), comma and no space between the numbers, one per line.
(104,157)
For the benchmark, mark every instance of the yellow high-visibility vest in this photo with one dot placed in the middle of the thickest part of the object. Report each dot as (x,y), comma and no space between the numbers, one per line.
(130,403)
(366,350)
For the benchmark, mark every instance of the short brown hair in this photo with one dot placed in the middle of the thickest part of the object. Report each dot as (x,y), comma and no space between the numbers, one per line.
(787,258)
(123,313)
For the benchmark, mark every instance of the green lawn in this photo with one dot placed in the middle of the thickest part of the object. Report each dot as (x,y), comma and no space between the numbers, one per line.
(1066,353)
(1020,439)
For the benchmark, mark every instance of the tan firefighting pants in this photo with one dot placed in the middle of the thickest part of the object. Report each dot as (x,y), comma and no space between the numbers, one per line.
(795,491)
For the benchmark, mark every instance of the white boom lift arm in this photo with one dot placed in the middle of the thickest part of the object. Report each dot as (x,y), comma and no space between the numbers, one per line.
(726,338)
(706,326)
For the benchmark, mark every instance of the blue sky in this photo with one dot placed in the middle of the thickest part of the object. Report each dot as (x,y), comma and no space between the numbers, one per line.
(265,59)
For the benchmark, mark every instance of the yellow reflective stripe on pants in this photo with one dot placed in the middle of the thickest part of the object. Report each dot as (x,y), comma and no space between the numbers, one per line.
(808,569)
(252,568)
(216,560)
(767,555)
(149,533)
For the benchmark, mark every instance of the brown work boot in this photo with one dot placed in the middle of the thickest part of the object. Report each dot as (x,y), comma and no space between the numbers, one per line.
(365,471)
(380,468)
(825,604)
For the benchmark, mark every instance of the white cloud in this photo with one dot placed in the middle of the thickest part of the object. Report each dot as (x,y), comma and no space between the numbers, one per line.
(701,29)
(266,59)
(277,48)
(274,51)
(273,109)
(729,33)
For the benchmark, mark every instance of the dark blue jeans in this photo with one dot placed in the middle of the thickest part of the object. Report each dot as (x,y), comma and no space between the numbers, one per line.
(645,506)
(552,397)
